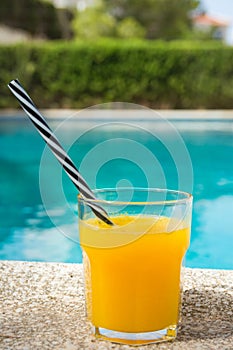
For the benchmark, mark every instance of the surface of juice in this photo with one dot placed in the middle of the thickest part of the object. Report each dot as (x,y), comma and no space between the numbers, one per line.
(135,286)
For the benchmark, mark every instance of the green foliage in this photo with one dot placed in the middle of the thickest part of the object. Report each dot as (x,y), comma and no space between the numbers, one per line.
(197,34)
(162,19)
(34,16)
(129,28)
(157,74)
(93,23)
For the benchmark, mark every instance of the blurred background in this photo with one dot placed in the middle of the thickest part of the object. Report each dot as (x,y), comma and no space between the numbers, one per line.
(91,19)
(177,53)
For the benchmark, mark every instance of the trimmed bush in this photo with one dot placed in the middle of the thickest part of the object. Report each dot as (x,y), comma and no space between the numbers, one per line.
(156,74)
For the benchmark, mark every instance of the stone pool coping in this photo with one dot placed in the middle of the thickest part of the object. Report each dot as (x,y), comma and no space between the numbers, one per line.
(42,307)
(173,114)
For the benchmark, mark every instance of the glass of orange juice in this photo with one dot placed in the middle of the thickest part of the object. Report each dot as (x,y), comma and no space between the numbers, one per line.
(132,269)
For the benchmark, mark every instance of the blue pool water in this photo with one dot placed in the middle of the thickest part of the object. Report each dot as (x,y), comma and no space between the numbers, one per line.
(28,232)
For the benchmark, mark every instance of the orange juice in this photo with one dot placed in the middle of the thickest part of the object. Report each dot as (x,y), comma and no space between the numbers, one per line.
(133,285)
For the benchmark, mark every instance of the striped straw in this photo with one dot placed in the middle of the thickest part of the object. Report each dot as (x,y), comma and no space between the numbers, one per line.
(42,127)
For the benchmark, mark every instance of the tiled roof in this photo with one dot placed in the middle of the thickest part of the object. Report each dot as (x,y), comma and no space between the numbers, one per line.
(210,21)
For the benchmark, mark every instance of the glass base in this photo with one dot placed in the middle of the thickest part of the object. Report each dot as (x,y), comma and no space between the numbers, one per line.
(166,334)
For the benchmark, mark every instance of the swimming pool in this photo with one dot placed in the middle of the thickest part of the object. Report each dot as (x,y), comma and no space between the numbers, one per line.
(27,232)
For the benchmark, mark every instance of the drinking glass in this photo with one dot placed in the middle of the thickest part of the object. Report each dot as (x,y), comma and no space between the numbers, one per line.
(132,269)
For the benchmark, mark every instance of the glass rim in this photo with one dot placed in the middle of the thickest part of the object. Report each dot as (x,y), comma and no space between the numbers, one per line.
(187,196)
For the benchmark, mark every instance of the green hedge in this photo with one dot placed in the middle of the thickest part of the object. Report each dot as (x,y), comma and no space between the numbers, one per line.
(156,74)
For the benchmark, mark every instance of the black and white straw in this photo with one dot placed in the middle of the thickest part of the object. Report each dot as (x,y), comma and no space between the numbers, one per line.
(39,122)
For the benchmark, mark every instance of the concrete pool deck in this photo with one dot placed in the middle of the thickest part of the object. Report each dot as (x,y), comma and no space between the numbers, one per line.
(127,114)
(42,308)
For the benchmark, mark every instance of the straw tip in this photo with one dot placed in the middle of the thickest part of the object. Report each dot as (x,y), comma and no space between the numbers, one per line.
(13,81)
